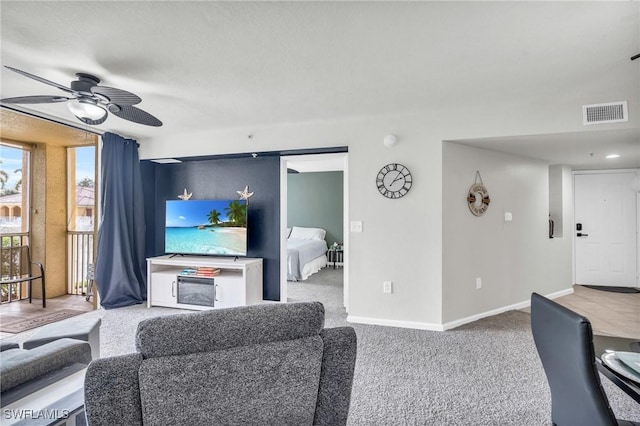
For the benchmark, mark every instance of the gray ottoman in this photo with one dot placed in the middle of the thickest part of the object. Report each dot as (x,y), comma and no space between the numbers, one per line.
(19,366)
(87,330)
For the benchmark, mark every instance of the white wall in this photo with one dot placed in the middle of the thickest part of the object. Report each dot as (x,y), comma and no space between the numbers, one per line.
(555,199)
(513,258)
(567,208)
(402,239)
(561,200)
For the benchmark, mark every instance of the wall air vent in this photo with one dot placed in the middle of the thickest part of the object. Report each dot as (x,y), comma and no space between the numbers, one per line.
(612,112)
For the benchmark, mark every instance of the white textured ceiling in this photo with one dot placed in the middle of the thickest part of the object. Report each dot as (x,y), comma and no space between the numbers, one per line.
(212,65)
(582,151)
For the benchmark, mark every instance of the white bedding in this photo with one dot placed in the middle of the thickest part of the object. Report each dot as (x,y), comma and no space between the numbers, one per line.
(314,266)
(305,257)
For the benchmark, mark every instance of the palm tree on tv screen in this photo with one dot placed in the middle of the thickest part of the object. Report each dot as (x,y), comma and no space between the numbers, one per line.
(214,217)
(4,177)
(237,213)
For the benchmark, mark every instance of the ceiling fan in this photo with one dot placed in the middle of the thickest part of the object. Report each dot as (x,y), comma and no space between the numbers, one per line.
(88,101)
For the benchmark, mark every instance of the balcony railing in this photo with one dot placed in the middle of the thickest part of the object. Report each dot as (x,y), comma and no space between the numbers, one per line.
(80,257)
(10,265)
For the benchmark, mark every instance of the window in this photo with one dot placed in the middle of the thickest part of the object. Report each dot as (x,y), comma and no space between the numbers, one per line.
(80,216)
(14,189)
(14,209)
(82,185)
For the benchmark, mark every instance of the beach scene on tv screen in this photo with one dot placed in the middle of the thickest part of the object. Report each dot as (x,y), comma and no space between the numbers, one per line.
(212,227)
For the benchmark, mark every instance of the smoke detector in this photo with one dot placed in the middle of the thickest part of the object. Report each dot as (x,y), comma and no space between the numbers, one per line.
(612,112)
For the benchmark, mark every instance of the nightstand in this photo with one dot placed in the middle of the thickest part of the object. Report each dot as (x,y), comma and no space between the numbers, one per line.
(335,255)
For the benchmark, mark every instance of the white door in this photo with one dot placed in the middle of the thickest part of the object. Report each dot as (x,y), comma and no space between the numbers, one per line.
(605,229)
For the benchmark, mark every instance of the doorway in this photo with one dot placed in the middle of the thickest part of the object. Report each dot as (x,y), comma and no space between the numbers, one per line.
(51,193)
(605,228)
(313,163)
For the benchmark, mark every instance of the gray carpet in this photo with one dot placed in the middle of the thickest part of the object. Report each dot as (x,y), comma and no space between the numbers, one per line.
(483,373)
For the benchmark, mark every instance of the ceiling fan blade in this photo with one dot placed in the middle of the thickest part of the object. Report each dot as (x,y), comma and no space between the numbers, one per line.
(134,114)
(40,79)
(40,99)
(116,96)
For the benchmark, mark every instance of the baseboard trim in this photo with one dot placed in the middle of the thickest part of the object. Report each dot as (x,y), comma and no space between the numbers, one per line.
(555,295)
(452,324)
(395,323)
(515,306)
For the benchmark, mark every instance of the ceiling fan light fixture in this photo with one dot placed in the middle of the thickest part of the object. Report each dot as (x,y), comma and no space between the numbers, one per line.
(90,102)
(86,109)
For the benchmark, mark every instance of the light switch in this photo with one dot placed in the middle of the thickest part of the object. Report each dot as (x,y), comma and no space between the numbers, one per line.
(508,217)
(356,226)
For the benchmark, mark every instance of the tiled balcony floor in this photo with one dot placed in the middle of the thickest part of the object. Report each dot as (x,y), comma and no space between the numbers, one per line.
(14,311)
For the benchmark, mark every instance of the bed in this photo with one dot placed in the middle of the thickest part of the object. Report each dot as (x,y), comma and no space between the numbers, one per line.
(306,252)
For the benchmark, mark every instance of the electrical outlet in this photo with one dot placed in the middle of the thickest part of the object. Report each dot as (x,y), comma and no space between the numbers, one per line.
(387,287)
(478,283)
(356,226)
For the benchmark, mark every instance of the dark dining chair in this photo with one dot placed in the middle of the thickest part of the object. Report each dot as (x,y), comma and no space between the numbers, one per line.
(17,268)
(564,341)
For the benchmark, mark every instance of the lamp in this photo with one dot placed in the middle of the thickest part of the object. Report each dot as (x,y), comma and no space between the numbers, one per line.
(87,109)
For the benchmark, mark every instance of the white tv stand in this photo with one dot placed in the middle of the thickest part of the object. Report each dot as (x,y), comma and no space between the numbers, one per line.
(239,282)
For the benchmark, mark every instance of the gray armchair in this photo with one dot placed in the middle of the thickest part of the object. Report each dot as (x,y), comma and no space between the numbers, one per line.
(271,364)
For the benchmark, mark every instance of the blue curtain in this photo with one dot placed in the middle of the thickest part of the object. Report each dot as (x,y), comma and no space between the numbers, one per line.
(120,263)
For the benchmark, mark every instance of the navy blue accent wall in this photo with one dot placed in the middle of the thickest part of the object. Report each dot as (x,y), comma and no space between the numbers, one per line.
(148,172)
(215,179)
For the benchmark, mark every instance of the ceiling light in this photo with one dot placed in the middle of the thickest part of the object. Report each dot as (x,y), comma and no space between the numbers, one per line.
(612,156)
(87,109)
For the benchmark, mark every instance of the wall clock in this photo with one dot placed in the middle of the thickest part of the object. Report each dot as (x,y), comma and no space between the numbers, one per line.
(394,180)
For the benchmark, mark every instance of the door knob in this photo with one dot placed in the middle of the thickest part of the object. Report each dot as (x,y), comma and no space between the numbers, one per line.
(580,234)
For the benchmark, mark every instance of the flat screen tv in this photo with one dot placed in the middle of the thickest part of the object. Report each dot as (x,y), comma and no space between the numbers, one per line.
(206,227)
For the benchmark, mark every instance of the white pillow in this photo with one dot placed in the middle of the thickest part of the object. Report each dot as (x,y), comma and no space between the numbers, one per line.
(301,233)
